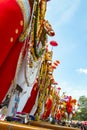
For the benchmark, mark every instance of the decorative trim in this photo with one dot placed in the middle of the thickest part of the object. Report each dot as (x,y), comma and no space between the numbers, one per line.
(25,8)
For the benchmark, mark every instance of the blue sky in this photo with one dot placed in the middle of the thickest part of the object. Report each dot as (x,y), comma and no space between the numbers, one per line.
(69,21)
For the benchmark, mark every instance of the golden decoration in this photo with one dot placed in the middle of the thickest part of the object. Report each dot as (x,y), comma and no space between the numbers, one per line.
(11,39)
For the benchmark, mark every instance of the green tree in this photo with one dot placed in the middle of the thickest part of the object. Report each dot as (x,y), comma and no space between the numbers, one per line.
(81,113)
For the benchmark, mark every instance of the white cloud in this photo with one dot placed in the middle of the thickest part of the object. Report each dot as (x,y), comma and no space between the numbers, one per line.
(74,91)
(81,70)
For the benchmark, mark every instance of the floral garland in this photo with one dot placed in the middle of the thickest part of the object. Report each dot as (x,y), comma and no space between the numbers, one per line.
(55,102)
(35,31)
(41,84)
(44,82)
(38,29)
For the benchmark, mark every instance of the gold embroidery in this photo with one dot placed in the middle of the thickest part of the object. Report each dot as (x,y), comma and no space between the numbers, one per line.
(16,31)
(11,39)
(22,5)
(21,23)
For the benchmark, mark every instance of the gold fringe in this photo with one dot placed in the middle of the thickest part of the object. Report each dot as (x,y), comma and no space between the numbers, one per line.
(26,20)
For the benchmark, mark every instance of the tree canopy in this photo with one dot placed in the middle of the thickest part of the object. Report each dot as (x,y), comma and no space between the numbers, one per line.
(81,113)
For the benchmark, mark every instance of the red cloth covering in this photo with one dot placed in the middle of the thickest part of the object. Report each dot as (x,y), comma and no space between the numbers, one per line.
(10,17)
(58,115)
(69,107)
(48,107)
(31,101)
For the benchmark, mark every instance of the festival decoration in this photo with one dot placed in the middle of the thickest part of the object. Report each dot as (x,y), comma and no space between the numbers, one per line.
(44,82)
(33,84)
(59,88)
(55,83)
(58,115)
(55,64)
(53,43)
(47,107)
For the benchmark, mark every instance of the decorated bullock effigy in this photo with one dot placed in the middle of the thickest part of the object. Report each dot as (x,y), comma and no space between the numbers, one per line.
(28,88)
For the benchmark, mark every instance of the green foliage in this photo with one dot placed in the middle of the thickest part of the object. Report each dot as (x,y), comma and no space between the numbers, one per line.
(81,113)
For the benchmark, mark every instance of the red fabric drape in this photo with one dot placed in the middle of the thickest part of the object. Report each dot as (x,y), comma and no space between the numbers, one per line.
(48,107)
(31,101)
(10,17)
